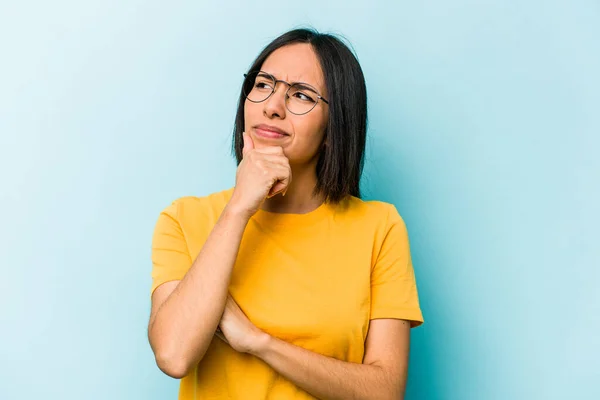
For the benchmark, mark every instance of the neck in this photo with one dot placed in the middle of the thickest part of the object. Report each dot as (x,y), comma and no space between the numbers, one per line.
(299,198)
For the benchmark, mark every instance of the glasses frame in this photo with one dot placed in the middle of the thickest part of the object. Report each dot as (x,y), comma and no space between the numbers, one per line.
(319,97)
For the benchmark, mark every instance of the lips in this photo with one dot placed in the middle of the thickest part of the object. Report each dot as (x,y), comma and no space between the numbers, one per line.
(269,131)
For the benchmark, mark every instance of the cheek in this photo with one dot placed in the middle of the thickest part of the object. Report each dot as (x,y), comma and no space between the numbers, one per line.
(316,125)
(252,113)
(310,133)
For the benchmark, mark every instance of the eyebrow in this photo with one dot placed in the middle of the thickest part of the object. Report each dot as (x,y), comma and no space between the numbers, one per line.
(306,85)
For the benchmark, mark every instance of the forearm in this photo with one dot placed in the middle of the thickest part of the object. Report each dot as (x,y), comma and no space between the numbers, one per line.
(185,323)
(325,377)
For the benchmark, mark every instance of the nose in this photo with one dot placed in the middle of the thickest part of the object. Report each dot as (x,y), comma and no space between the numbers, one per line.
(274,106)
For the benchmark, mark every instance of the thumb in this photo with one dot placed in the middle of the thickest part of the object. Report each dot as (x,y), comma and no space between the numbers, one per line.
(248,143)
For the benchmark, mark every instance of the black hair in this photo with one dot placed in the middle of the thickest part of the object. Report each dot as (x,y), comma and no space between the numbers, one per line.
(341,161)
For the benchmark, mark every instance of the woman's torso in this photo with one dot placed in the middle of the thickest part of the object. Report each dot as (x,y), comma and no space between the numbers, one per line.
(303,278)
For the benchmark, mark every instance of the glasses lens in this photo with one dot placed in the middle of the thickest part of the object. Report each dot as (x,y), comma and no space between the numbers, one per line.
(301,99)
(258,86)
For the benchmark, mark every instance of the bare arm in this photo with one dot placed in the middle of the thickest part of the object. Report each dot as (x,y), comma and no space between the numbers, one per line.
(185,313)
(381,376)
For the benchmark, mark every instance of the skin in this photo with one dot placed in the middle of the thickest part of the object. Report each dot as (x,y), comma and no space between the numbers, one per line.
(293,63)
(185,314)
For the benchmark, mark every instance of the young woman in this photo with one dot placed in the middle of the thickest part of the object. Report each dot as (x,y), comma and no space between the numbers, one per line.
(288,286)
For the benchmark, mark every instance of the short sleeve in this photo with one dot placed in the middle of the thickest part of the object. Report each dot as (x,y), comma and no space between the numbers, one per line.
(170,255)
(393,284)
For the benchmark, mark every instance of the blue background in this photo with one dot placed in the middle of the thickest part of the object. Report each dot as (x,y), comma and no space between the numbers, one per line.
(484,132)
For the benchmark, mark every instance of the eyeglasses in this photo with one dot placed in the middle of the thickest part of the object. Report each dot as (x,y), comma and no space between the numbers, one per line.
(300,98)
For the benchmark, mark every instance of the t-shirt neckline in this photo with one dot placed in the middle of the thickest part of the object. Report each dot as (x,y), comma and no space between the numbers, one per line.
(295,219)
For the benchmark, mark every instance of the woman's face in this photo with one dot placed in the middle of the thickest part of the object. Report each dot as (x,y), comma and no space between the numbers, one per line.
(303,133)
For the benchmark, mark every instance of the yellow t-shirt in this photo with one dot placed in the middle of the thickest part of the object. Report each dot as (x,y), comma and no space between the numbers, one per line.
(314,280)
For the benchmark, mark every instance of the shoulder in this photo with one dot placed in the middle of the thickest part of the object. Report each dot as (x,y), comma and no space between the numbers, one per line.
(197,208)
(380,213)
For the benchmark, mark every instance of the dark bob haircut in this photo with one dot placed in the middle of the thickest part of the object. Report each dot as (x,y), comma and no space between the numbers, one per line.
(340,163)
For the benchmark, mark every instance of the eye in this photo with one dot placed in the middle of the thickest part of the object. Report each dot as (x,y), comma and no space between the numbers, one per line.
(262,85)
(303,96)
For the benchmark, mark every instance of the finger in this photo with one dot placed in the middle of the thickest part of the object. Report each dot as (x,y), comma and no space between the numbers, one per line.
(284,178)
(278,188)
(277,170)
(270,150)
(248,143)
(274,159)
(221,336)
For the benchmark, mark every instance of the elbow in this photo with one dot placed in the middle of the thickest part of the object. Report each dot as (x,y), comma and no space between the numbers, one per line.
(389,395)
(169,358)
(388,392)
(394,394)
(175,367)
